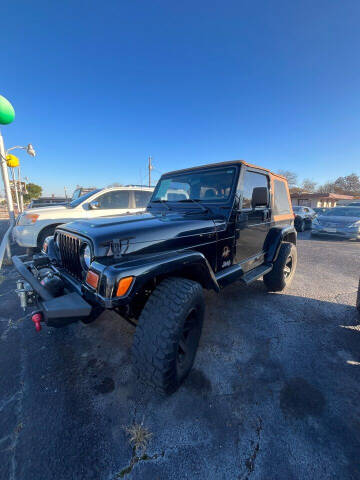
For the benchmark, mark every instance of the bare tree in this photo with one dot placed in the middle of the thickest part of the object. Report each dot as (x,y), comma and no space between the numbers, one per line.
(115,184)
(308,185)
(291,177)
(328,187)
(348,184)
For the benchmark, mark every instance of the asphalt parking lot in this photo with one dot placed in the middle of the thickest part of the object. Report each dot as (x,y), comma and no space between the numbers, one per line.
(274,393)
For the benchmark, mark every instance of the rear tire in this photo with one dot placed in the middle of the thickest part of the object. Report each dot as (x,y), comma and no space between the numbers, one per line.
(283,270)
(168,333)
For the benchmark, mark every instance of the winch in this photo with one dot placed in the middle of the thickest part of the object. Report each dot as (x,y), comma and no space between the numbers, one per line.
(25,293)
(52,282)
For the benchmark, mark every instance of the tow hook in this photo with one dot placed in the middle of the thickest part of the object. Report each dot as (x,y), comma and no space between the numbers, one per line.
(37,318)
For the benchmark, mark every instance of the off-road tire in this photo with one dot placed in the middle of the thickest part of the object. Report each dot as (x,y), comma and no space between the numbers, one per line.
(156,347)
(279,278)
(46,232)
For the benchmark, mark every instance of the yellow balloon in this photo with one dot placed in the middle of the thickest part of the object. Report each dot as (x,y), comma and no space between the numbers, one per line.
(12,161)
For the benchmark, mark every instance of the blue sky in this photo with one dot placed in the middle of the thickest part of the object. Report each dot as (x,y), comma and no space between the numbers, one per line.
(98,86)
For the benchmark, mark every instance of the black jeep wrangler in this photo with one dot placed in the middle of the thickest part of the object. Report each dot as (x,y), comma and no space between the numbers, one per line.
(204,227)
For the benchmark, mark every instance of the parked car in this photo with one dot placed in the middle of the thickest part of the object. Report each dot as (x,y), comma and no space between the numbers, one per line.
(47,202)
(32,227)
(321,210)
(303,217)
(230,221)
(81,191)
(339,221)
(354,204)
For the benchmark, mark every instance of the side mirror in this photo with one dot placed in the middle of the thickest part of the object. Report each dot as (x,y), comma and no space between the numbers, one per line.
(94,205)
(260,197)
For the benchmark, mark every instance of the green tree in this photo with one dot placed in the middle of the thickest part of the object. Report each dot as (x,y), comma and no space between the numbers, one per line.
(33,191)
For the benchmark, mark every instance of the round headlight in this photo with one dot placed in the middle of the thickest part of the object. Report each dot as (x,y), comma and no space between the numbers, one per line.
(86,256)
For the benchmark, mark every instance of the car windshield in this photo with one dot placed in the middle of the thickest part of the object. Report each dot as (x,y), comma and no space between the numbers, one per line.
(205,186)
(343,212)
(79,200)
(76,194)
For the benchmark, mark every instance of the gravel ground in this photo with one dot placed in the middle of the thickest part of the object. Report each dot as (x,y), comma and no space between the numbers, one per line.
(274,393)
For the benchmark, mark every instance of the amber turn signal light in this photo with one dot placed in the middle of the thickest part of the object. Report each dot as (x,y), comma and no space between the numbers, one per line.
(92,279)
(124,286)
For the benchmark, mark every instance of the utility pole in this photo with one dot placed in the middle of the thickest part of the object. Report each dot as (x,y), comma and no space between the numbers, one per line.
(150,168)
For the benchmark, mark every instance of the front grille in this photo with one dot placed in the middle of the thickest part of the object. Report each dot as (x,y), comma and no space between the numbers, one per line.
(69,247)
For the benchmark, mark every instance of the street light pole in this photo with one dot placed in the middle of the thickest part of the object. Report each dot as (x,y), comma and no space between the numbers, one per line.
(20,191)
(150,168)
(5,176)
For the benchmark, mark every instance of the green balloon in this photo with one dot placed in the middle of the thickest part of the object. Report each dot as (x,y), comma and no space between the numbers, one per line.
(7,112)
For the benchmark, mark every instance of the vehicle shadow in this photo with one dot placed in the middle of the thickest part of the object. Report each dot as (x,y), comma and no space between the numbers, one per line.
(317,238)
(279,357)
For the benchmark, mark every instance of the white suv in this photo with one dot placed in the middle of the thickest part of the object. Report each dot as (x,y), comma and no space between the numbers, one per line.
(33,226)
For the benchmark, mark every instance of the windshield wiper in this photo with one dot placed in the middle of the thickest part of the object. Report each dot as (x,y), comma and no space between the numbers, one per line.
(164,202)
(196,201)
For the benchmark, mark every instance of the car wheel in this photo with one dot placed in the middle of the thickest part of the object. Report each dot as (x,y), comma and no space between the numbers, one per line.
(168,333)
(46,232)
(284,268)
(300,224)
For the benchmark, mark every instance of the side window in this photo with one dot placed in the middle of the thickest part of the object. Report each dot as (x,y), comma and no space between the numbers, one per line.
(115,199)
(252,180)
(306,210)
(281,200)
(142,198)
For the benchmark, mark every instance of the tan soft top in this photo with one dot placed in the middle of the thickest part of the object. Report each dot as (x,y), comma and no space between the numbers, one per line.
(228,163)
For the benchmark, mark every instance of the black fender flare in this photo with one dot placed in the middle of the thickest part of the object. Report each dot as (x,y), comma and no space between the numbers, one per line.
(275,237)
(188,264)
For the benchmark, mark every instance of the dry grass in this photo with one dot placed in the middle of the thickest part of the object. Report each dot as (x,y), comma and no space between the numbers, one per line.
(139,436)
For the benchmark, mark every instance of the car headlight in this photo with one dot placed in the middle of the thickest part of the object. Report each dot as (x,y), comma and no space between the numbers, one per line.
(355,225)
(28,219)
(85,256)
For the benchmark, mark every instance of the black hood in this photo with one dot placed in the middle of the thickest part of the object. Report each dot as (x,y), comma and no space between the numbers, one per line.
(145,231)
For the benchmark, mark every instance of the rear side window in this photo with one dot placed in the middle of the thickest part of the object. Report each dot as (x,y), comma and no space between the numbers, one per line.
(113,200)
(142,198)
(252,180)
(281,200)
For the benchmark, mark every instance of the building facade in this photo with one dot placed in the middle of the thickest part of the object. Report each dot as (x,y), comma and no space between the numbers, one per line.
(314,200)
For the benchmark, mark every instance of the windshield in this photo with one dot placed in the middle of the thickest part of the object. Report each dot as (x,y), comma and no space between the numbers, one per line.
(79,200)
(343,212)
(76,194)
(206,186)
(296,209)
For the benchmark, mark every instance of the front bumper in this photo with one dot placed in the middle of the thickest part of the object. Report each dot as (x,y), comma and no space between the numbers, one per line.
(25,236)
(338,232)
(56,311)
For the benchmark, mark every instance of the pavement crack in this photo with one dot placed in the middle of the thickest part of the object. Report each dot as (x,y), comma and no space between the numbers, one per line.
(6,402)
(18,396)
(250,461)
(135,458)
